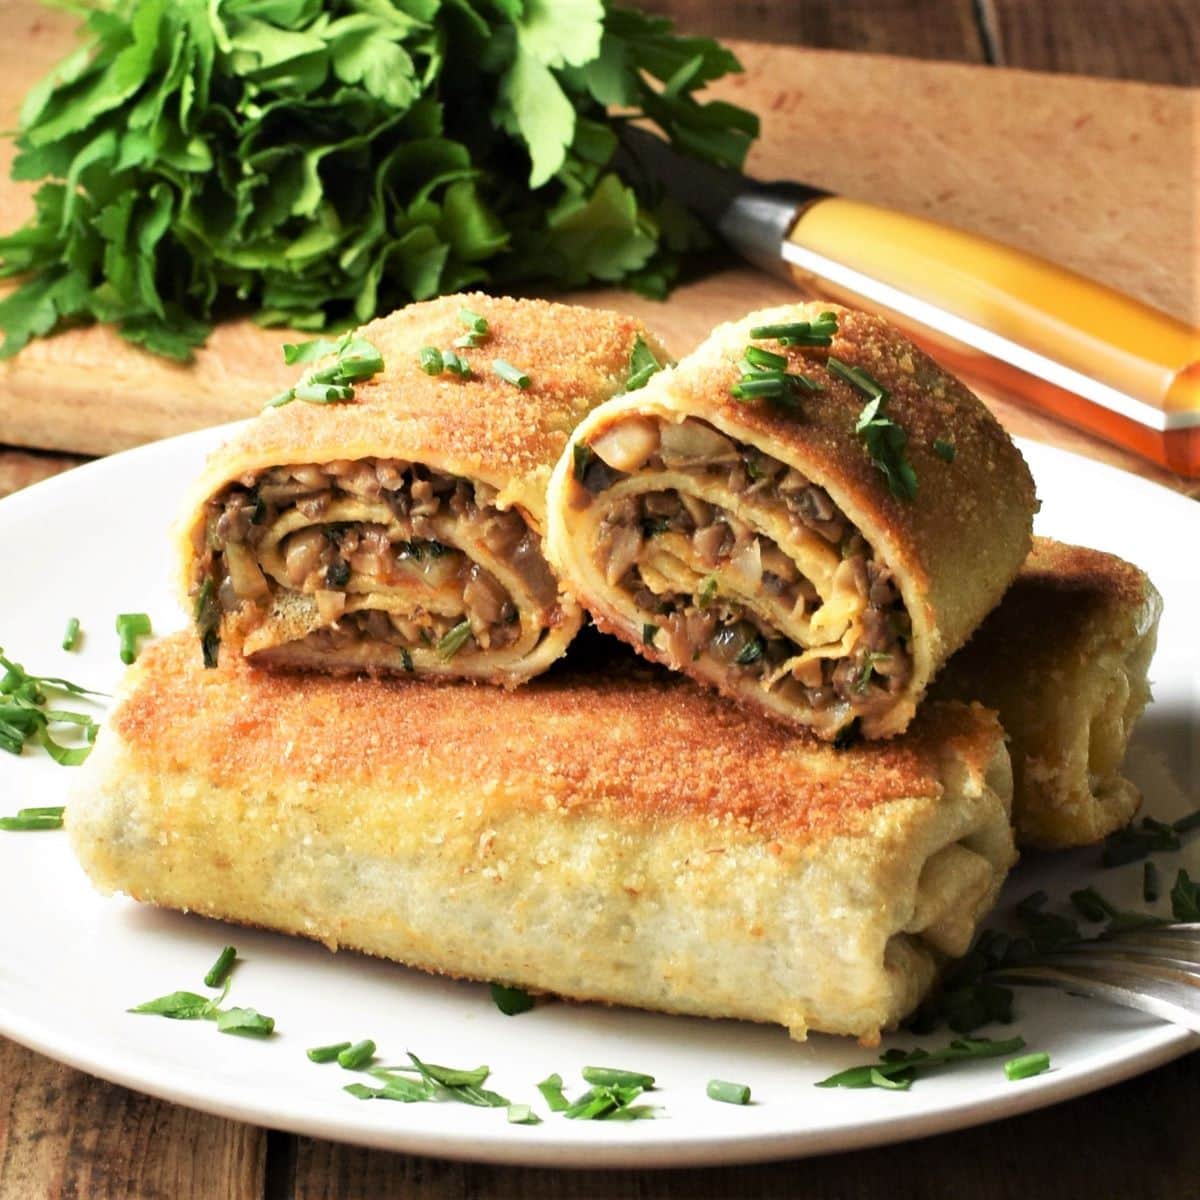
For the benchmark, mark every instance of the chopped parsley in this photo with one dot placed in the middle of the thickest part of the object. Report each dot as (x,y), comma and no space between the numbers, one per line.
(643,364)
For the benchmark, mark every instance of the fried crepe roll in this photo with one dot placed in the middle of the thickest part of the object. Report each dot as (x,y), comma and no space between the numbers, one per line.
(1063,661)
(401,530)
(625,838)
(766,546)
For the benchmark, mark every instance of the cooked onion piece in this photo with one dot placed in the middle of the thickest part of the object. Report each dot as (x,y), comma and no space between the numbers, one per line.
(401,530)
(818,552)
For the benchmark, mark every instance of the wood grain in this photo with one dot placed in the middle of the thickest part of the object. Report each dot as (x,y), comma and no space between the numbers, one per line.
(19,468)
(938,29)
(67,1135)
(1156,41)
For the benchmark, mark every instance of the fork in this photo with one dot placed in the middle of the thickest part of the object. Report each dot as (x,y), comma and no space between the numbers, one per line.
(1155,970)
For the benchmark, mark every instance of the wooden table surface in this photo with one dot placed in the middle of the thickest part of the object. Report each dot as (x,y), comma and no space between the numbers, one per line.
(65,1134)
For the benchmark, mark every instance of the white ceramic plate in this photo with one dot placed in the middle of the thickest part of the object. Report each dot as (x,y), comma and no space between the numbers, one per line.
(92,543)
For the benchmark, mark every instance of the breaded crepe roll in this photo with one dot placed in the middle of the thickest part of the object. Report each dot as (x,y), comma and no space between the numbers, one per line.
(1063,660)
(401,530)
(621,837)
(806,513)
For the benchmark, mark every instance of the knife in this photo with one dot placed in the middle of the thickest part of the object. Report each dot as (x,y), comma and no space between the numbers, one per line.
(998,316)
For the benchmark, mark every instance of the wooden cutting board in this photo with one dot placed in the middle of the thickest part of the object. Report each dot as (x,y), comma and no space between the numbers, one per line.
(1100,176)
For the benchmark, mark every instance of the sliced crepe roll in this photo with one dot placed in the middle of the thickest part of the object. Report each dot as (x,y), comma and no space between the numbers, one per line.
(618,835)
(816,548)
(401,530)
(1063,660)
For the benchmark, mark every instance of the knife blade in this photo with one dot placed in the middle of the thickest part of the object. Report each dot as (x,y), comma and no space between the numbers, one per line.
(996,315)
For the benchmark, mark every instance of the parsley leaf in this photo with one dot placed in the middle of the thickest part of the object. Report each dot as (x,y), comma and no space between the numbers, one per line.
(321,163)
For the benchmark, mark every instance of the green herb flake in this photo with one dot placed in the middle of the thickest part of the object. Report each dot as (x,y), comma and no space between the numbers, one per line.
(454,639)
(326,1054)
(71,634)
(461,1085)
(819,332)
(1027,1066)
(511,1000)
(708,591)
(511,374)
(179,1006)
(884,439)
(751,652)
(522,1114)
(944,449)
(552,1092)
(25,720)
(220,971)
(356,1056)
(473,321)
(726,1092)
(245,1022)
(130,627)
(898,1068)
(643,365)
(649,633)
(429,358)
(581,459)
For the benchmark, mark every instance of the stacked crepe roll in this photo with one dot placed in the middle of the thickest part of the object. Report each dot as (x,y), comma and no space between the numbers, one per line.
(402,530)
(609,831)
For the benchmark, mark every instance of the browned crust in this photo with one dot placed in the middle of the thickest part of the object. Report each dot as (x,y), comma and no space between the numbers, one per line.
(640,743)
(485,427)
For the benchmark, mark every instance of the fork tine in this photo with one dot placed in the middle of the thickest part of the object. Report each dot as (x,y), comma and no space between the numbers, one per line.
(1183,938)
(1165,992)
(1182,956)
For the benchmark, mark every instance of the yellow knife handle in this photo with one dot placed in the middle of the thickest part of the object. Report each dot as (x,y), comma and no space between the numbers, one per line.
(1062,316)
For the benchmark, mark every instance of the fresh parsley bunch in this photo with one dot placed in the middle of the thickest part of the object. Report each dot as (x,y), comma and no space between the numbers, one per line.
(325,160)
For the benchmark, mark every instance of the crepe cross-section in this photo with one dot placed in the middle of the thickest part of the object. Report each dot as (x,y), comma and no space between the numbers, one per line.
(1064,661)
(774,546)
(401,530)
(614,835)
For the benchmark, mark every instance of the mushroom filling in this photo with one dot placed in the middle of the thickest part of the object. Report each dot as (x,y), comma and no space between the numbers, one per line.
(390,552)
(821,624)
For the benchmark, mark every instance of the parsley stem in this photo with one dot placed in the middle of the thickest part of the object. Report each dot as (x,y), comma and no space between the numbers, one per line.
(71,634)
(728,1093)
(357,1055)
(327,1054)
(1027,1065)
(219,971)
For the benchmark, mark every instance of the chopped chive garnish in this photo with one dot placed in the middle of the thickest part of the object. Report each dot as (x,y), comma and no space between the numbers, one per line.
(1149,882)
(454,639)
(461,1085)
(944,449)
(750,388)
(406,659)
(327,1054)
(818,332)
(24,717)
(71,634)
(614,1077)
(727,1093)
(429,359)
(751,652)
(756,356)
(643,364)
(22,823)
(552,1092)
(469,341)
(356,359)
(456,364)
(360,1091)
(1091,905)
(581,459)
(246,1022)
(899,1067)
(357,1055)
(511,1000)
(130,627)
(397,1087)
(1027,1065)
(649,632)
(219,971)
(473,321)
(884,439)
(511,374)
(522,1114)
